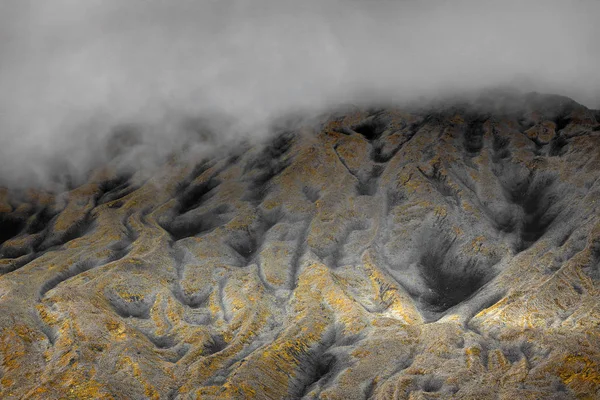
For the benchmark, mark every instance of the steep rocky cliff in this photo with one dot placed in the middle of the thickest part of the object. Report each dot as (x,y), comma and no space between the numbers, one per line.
(447,252)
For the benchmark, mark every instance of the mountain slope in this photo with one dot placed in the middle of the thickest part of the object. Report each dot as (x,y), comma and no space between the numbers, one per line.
(451,252)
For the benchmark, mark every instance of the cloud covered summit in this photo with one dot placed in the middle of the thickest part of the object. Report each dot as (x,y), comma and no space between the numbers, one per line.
(71,70)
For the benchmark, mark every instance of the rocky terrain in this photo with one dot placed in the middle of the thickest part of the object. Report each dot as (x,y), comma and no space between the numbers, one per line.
(450,252)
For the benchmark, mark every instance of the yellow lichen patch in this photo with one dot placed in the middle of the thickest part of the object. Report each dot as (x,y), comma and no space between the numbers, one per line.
(497,362)
(277,257)
(26,333)
(581,374)
(458,231)
(348,311)
(157,311)
(79,386)
(116,329)
(18,241)
(399,303)
(173,312)
(257,375)
(203,368)
(7,382)
(440,212)
(470,208)
(517,373)
(47,317)
(473,359)
(266,374)
(12,350)
(149,390)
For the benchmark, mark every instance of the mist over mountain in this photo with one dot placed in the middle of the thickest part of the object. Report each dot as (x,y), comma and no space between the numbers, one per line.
(299,200)
(70,72)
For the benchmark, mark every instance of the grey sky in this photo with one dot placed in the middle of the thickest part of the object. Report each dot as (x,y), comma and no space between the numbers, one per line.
(71,69)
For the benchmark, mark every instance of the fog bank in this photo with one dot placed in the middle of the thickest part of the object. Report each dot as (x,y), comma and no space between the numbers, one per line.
(71,71)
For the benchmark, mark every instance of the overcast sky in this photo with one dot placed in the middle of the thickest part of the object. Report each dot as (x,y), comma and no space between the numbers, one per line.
(71,69)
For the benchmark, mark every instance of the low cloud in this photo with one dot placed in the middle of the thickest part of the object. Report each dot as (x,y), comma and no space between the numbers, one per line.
(71,71)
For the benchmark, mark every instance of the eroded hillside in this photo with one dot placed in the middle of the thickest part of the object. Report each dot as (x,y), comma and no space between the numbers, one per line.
(447,253)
